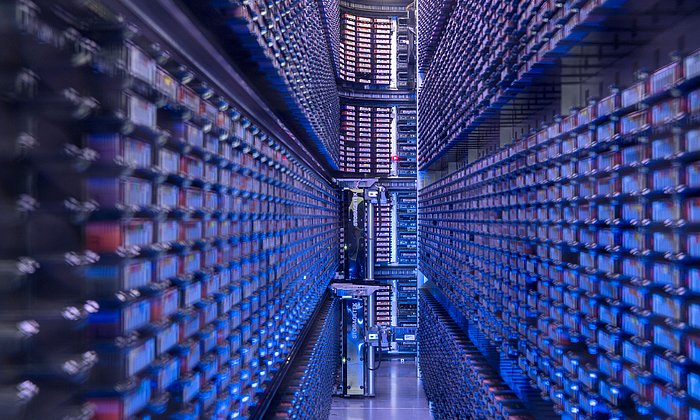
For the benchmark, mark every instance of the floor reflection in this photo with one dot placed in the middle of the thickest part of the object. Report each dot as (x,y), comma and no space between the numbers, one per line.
(400,396)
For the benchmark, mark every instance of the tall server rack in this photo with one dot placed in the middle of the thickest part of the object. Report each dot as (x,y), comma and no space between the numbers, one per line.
(366,139)
(171,239)
(366,50)
(563,253)
(378,140)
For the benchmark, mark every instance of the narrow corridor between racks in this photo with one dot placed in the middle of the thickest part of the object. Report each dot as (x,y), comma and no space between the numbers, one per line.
(399,396)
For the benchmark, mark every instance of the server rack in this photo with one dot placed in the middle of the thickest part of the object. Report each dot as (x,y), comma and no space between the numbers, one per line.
(366,49)
(170,247)
(401,274)
(556,247)
(366,139)
(288,45)
(378,140)
(317,363)
(406,142)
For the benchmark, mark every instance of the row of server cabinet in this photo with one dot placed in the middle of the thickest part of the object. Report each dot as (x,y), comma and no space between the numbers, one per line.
(166,252)
(479,55)
(378,140)
(286,43)
(400,276)
(573,256)
(396,257)
(310,383)
(375,50)
(366,49)
(396,229)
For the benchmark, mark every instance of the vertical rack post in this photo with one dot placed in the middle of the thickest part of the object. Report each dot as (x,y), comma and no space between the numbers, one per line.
(370,364)
(372,297)
(371,239)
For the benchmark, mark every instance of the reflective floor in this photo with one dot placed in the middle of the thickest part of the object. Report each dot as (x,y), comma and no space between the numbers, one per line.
(399,392)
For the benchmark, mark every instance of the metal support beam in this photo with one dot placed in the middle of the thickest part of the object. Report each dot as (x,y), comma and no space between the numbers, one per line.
(371,239)
(372,297)
(371,322)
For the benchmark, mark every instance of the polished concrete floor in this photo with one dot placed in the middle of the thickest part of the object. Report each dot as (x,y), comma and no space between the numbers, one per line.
(399,392)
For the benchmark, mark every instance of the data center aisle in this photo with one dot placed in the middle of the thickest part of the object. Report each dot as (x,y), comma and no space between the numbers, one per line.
(399,396)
